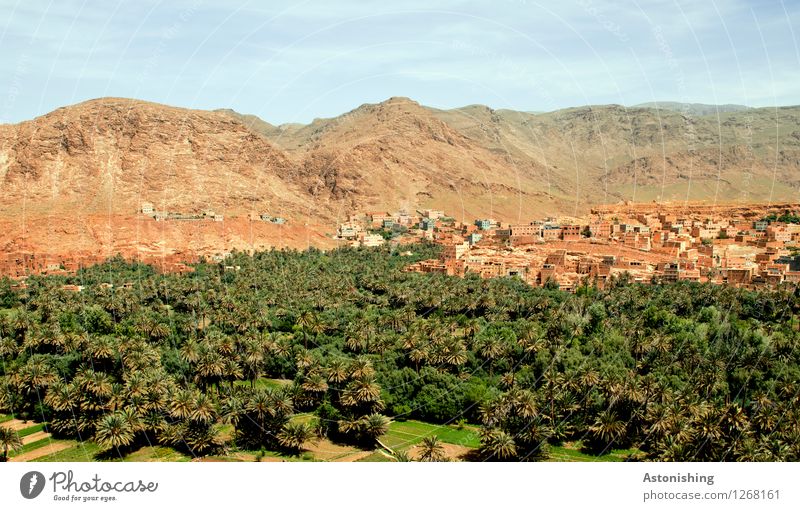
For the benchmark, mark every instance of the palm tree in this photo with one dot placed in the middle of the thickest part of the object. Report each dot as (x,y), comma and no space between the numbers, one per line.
(361,367)
(210,368)
(204,410)
(102,348)
(182,404)
(471,328)
(373,426)
(492,349)
(60,397)
(402,456)
(9,440)
(337,372)
(190,352)
(253,359)
(114,431)
(606,430)
(294,435)
(418,355)
(496,444)
(315,384)
(455,353)
(361,391)
(318,327)
(431,449)
(305,322)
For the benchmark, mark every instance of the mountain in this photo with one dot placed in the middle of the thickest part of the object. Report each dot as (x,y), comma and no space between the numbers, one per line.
(399,154)
(693,108)
(112,154)
(75,178)
(609,153)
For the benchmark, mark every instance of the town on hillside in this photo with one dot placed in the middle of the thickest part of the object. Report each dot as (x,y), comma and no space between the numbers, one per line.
(649,243)
(742,245)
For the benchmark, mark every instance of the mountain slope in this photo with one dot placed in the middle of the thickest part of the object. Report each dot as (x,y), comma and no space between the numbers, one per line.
(115,153)
(695,109)
(73,180)
(618,153)
(398,154)
(80,173)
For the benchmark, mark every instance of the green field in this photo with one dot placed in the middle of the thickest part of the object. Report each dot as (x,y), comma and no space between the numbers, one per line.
(572,452)
(156,453)
(31,446)
(83,451)
(402,435)
(375,457)
(262,383)
(304,418)
(30,430)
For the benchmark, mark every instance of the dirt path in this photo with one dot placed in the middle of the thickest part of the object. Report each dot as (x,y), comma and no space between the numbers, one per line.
(17,424)
(34,437)
(42,451)
(353,457)
(325,450)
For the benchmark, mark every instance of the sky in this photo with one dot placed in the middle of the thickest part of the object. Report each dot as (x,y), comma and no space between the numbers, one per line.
(293,61)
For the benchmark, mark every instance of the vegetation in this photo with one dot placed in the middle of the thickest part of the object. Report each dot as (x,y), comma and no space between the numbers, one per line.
(193,362)
(404,434)
(9,441)
(787,217)
(431,449)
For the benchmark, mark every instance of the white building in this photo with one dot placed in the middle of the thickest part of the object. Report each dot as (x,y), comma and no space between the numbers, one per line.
(371,240)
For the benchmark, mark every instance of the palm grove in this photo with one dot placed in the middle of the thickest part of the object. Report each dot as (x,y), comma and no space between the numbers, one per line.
(677,372)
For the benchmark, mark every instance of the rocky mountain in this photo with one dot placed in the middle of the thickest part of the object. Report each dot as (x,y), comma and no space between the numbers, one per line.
(693,108)
(112,154)
(103,158)
(610,153)
(74,179)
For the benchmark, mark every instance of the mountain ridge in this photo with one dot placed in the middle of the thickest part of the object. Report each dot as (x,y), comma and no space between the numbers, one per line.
(106,156)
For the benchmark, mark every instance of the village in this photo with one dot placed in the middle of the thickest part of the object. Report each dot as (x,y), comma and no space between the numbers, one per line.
(649,243)
(744,246)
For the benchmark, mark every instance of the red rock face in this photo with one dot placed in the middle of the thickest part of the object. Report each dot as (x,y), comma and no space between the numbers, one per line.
(75,178)
(113,154)
(73,181)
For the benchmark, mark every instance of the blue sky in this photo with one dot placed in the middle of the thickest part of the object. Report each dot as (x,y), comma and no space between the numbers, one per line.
(294,61)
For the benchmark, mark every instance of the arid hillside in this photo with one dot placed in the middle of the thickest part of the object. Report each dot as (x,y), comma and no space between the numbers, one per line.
(562,161)
(76,177)
(606,154)
(109,155)
(74,180)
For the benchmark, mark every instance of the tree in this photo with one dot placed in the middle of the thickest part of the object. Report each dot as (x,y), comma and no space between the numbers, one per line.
(606,430)
(294,435)
(497,445)
(431,449)
(373,426)
(9,440)
(114,431)
(679,371)
(305,323)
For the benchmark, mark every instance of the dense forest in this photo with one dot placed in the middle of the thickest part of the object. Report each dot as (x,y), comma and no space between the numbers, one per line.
(679,372)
